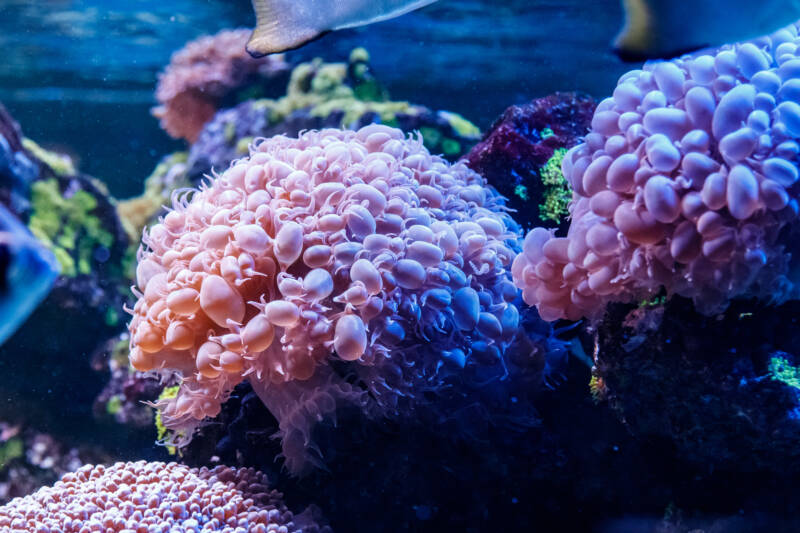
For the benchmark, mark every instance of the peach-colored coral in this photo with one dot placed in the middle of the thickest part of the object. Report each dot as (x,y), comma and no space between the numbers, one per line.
(687,181)
(359,246)
(201,74)
(141,497)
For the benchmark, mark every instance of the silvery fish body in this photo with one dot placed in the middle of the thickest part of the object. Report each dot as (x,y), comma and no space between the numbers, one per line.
(286,24)
(27,272)
(652,29)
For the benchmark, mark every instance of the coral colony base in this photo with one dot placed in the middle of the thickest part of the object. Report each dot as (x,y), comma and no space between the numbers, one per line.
(687,181)
(337,246)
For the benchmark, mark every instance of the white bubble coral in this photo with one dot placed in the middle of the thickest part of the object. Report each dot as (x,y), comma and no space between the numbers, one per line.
(687,181)
(141,496)
(359,246)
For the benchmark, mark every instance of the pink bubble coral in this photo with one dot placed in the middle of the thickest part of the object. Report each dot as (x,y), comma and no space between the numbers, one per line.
(203,73)
(144,497)
(687,181)
(359,247)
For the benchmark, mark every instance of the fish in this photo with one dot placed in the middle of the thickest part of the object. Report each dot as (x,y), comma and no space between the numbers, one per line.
(662,29)
(283,25)
(653,29)
(28,270)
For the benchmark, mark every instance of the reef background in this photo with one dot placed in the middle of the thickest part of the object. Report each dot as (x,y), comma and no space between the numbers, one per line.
(92,64)
(603,452)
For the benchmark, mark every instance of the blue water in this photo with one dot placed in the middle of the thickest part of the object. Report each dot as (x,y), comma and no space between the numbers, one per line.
(70,67)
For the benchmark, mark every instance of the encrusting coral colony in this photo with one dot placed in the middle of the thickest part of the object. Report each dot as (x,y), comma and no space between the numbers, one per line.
(144,497)
(352,267)
(687,181)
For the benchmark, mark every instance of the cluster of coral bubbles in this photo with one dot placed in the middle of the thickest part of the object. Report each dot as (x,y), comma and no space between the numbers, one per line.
(356,266)
(356,246)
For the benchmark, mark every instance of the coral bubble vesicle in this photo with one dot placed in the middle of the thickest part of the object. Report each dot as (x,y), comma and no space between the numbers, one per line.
(357,246)
(687,182)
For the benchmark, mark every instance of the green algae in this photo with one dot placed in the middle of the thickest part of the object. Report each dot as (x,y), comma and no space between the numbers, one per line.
(557,193)
(66,225)
(785,372)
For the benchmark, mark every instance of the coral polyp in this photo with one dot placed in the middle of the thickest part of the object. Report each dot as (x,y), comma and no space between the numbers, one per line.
(357,247)
(687,181)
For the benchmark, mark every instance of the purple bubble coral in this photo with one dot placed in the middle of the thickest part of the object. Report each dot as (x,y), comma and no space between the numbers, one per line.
(141,496)
(687,181)
(354,248)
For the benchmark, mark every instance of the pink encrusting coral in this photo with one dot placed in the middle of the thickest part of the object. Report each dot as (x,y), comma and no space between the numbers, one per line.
(359,247)
(145,497)
(202,74)
(687,181)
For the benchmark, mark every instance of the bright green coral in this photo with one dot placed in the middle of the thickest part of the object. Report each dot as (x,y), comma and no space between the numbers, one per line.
(785,372)
(557,193)
(65,223)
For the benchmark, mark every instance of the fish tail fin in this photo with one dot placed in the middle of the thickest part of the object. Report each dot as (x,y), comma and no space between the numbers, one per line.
(636,35)
(657,29)
(280,26)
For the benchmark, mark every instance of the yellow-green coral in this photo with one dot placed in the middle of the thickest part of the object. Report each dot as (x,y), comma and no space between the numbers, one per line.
(557,193)
(785,372)
(597,388)
(12,449)
(460,125)
(61,164)
(114,405)
(66,225)
(162,433)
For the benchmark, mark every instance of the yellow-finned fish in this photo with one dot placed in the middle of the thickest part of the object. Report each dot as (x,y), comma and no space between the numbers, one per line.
(668,28)
(653,28)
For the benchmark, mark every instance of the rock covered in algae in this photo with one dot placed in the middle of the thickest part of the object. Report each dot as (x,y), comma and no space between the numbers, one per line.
(356,248)
(521,155)
(74,216)
(325,95)
(723,390)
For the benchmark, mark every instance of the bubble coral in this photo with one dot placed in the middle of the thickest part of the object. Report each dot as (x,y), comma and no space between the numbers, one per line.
(357,247)
(687,181)
(203,73)
(142,496)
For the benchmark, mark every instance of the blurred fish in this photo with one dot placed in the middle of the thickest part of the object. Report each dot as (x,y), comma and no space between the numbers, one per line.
(669,28)
(653,28)
(27,272)
(287,24)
